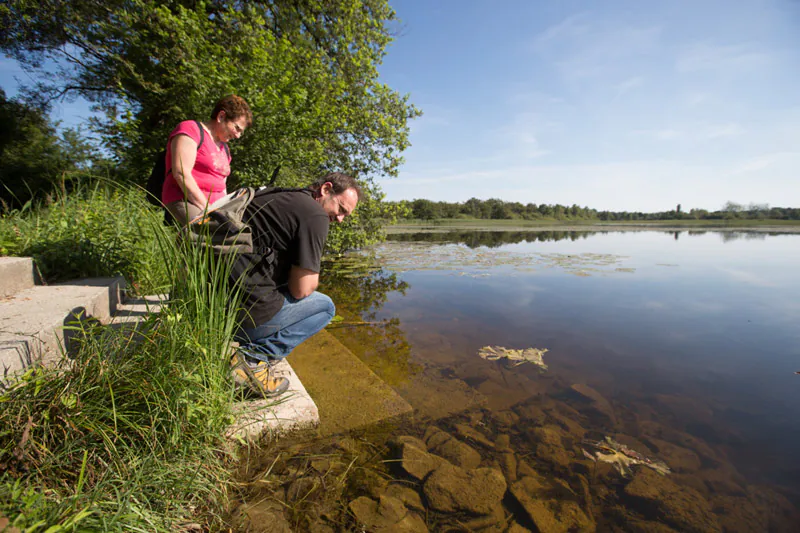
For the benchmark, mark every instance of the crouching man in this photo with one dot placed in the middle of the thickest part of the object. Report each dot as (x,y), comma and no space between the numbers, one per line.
(281,307)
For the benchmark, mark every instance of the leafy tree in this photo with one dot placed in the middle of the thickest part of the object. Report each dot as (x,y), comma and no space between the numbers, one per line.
(308,69)
(35,159)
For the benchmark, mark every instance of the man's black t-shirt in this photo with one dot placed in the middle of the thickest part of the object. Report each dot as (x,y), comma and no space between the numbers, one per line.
(294,227)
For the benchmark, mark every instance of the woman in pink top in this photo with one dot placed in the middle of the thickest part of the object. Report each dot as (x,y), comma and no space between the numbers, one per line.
(198,162)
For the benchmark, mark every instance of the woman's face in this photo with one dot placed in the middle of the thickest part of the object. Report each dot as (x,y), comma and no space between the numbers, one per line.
(230,129)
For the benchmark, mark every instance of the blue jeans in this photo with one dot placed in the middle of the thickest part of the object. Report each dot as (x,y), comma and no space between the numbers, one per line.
(295,322)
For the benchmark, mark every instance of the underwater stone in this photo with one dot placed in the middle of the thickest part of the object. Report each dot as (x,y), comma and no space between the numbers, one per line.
(414,460)
(445,445)
(551,515)
(469,433)
(453,489)
(407,495)
(681,507)
(387,514)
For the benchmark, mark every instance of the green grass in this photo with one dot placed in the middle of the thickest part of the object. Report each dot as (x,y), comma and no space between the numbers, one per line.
(97,230)
(128,435)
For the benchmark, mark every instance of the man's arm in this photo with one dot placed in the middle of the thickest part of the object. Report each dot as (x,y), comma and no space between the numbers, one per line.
(302,282)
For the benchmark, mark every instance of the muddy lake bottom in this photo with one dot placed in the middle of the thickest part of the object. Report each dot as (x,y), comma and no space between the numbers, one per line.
(666,351)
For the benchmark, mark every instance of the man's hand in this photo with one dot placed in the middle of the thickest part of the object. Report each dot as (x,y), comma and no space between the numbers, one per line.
(302,282)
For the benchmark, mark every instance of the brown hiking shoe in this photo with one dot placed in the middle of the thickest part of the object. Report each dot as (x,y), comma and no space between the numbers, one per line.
(257,378)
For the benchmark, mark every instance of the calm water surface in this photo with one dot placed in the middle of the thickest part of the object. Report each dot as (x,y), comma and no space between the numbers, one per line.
(698,330)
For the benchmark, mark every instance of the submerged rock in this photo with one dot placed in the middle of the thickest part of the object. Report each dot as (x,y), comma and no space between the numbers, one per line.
(466,432)
(547,507)
(493,522)
(549,446)
(677,457)
(508,465)
(387,514)
(413,457)
(262,517)
(453,489)
(681,507)
(445,445)
(597,401)
(407,495)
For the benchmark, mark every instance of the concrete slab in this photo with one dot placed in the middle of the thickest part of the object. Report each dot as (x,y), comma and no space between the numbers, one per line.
(133,310)
(348,394)
(16,274)
(293,410)
(32,321)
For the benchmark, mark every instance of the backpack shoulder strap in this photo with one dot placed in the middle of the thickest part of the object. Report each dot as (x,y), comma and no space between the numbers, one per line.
(202,133)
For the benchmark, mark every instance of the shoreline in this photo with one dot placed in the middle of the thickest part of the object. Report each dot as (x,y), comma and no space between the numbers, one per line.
(444,228)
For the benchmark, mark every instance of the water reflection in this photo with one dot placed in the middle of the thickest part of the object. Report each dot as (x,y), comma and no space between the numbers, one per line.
(360,289)
(682,348)
(489,239)
(494,239)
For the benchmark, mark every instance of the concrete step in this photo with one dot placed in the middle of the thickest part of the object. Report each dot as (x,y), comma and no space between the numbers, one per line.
(16,274)
(32,321)
(134,310)
(347,392)
(338,393)
(293,410)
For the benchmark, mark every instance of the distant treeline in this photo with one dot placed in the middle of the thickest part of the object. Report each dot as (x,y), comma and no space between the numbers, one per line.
(495,209)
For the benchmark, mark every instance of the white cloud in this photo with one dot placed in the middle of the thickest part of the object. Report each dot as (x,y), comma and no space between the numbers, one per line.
(723,130)
(583,47)
(765,161)
(736,59)
(571,27)
(694,132)
(629,84)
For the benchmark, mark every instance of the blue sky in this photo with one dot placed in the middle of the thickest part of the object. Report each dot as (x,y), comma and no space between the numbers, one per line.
(615,105)
(621,105)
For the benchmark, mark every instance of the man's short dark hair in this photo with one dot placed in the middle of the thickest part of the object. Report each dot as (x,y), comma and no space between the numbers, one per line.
(341,182)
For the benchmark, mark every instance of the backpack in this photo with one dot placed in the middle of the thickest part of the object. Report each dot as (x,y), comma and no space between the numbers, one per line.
(222,226)
(155,183)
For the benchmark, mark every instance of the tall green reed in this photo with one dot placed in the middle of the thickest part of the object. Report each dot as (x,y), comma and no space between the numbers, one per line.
(128,433)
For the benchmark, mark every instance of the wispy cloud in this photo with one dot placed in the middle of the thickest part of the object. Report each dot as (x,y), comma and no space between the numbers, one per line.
(739,59)
(765,161)
(694,132)
(629,85)
(584,46)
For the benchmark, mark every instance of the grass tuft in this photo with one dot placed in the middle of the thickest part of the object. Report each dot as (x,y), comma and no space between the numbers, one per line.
(128,433)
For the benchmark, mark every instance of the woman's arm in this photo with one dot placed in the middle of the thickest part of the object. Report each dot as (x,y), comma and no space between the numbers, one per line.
(184,154)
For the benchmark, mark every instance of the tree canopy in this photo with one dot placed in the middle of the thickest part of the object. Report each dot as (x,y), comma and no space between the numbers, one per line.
(496,209)
(35,157)
(308,69)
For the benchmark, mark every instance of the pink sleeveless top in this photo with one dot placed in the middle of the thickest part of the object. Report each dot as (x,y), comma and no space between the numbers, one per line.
(211,168)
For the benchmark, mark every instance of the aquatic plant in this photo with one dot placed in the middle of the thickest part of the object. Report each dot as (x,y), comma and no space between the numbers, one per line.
(622,457)
(514,357)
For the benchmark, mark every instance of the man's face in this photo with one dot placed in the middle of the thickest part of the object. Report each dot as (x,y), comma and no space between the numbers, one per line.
(337,206)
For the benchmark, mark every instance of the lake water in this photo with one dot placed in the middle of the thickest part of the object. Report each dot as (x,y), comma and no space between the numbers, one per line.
(687,337)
